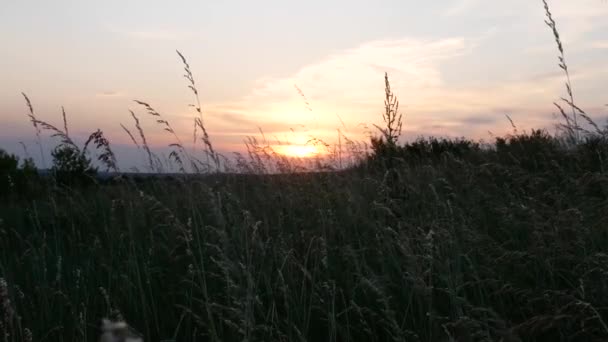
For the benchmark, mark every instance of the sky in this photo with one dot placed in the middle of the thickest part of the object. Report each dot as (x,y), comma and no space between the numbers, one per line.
(294,69)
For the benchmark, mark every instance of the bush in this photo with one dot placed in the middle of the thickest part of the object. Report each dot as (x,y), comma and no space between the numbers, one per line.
(72,167)
(8,168)
(15,179)
(8,162)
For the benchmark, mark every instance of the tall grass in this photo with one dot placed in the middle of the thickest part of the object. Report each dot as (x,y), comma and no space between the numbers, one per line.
(571,123)
(449,241)
(459,242)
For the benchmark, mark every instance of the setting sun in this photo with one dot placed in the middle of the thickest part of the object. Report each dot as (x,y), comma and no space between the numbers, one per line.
(298,151)
(304,170)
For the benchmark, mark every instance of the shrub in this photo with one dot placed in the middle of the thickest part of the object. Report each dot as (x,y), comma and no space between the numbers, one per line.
(72,167)
(15,179)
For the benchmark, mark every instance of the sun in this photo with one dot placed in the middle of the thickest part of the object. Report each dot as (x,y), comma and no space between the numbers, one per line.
(298,151)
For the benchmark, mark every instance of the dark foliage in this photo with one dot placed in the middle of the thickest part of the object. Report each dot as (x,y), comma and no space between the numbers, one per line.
(71,167)
(14,178)
(454,240)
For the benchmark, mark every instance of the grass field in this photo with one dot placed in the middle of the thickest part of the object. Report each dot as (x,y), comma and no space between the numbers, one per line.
(433,240)
(452,240)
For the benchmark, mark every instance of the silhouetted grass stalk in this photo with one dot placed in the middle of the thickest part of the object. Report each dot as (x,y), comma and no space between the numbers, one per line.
(198,121)
(34,122)
(572,124)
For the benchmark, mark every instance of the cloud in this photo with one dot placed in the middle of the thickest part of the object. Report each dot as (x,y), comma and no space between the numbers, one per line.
(349,79)
(163,34)
(575,19)
(434,99)
(110,93)
(482,119)
(599,44)
(350,84)
(158,35)
(460,7)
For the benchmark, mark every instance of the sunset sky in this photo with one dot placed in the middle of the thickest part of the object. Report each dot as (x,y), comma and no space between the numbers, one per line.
(457,66)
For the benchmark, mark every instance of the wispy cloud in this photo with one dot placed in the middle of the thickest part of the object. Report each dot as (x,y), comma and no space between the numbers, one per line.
(575,19)
(350,84)
(158,34)
(109,93)
(163,34)
(460,7)
(348,76)
(599,44)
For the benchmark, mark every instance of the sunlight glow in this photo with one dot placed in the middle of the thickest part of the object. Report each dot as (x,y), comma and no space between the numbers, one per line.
(298,151)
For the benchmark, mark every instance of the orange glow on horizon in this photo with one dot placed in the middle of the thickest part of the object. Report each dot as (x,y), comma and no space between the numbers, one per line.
(298,151)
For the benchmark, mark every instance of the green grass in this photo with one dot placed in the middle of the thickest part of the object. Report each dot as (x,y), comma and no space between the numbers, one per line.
(435,240)
(476,244)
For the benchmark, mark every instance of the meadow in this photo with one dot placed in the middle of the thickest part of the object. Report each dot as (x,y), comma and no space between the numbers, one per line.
(430,240)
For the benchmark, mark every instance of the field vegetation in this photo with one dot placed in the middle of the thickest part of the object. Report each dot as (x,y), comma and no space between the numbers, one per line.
(429,240)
